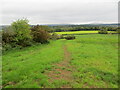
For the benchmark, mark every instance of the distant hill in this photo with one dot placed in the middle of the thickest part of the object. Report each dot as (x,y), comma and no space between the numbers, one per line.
(107,25)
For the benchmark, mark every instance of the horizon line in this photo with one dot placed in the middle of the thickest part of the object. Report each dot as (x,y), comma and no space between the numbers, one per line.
(68,23)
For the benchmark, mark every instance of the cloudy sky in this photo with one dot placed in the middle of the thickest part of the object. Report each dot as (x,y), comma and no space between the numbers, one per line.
(59,11)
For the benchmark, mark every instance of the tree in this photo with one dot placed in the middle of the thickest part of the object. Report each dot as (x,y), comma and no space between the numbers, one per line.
(22,32)
(40,34)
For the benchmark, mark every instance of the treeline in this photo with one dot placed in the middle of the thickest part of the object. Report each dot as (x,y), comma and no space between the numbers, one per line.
(64,28)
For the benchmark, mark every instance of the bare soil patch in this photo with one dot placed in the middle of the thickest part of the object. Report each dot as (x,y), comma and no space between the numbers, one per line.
(62,70)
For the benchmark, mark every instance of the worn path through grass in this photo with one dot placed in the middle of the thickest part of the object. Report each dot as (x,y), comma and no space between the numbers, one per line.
(89,61)
(62,72)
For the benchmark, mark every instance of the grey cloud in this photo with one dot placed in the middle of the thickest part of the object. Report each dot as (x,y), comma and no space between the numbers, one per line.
(59,11)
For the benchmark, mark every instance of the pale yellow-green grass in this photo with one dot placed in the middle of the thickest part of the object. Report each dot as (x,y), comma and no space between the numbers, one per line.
(77,32)
(82,32)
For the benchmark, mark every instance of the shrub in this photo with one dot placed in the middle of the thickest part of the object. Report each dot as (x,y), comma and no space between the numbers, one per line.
(103,31)
(70,37)
(40,34)
(55,36)
(8,35)
(22,32)
(6,46)
(118,30)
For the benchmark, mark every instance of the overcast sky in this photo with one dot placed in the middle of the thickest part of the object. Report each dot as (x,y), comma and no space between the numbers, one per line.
(59,11)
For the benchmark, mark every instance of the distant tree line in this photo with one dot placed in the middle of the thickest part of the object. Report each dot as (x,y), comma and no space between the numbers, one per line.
(80,28)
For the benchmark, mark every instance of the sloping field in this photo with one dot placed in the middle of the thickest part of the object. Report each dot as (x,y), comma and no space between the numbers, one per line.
(89,61)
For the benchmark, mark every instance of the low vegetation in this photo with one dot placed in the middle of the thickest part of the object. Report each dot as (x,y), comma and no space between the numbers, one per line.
(103,31)
(70,37)
(55,36)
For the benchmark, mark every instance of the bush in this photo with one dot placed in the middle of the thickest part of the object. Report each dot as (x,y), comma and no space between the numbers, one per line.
(40,34)
(70,37)
(6,47)
(22,32)
(55,36)
(7,35)
(118,30)
(103,31)
(16,35)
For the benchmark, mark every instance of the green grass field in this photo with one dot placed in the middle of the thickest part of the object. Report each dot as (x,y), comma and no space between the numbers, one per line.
(89,61)
(82,32)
